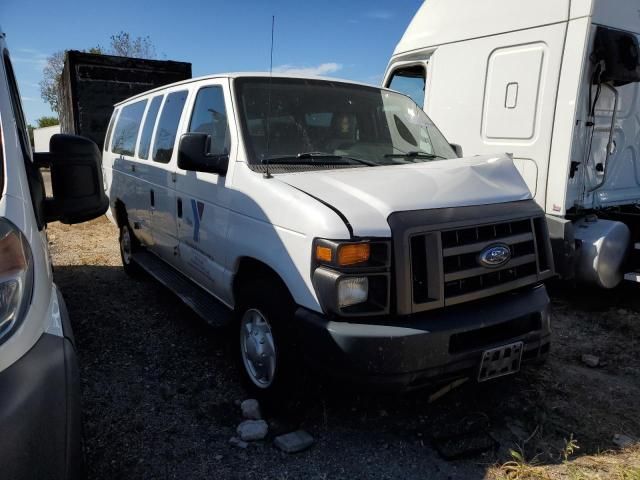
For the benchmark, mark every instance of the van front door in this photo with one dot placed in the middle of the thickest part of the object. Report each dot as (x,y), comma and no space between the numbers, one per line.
(162,194)
(202,198)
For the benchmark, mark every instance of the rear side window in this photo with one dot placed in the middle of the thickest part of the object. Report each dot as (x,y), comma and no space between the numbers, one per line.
(107,138)
(147,129)
(126,131)
(411,81)
(210,117)
(168,126)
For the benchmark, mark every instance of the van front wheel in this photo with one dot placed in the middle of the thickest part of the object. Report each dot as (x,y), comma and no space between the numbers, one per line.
(267,350)
(128,246)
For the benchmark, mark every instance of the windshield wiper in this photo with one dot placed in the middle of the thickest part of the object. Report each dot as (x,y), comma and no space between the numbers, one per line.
(414,155)
(315,158)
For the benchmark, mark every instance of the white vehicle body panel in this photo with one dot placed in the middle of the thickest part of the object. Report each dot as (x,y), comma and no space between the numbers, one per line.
(513,76)
(16,206)
(368,197)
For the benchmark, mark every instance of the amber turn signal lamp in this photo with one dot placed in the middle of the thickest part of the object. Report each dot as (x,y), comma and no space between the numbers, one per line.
(352,254)
(324,254)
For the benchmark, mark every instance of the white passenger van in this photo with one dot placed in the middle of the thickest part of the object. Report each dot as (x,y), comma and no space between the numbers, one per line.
(40,417)
(337,223)
(555,84)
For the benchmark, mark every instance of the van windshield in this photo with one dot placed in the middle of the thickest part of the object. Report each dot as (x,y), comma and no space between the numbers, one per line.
(292,121)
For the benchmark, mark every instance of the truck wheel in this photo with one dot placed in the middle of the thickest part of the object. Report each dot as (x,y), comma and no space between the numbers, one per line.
(267,350)
(128,246)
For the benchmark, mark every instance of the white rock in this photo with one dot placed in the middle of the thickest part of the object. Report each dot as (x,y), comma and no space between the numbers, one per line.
(251,430)
(590,360)
(251,409)
(294,442)
(622,441)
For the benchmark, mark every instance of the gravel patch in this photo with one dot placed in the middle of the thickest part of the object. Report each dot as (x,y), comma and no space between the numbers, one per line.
(161,391)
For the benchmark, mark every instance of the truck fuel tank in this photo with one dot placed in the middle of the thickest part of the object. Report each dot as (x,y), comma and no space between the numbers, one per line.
(602,248)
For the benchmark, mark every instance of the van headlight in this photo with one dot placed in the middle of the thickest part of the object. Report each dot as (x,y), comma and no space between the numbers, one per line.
(16,278)
(352,278)
(352,291)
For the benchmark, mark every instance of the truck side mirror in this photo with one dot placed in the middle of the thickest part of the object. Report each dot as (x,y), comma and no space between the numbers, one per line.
(76,179)
(192,155)
(457,148)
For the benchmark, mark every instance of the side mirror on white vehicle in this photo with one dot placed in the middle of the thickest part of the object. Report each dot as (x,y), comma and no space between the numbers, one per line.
(193,155)
(76,180)
(457,148)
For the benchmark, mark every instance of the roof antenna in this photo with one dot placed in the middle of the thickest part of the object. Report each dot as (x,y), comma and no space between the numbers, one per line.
(266,173)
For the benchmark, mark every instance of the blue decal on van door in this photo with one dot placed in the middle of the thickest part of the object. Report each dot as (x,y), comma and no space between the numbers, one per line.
(198,211)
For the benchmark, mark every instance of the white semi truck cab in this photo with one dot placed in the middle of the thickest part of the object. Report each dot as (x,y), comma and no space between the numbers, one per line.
(333,220)
(555,83)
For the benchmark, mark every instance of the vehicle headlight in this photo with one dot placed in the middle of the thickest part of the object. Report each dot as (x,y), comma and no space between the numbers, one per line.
(352,291)
(16,278)
(352,278)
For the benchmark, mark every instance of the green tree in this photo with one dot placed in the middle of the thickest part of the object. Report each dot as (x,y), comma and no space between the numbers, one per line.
(51,77)
(47,122)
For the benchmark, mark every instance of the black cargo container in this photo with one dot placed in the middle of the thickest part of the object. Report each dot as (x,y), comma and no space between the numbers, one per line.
(92,84)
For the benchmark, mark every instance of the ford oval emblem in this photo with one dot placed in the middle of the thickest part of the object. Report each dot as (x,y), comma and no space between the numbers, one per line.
(494,256)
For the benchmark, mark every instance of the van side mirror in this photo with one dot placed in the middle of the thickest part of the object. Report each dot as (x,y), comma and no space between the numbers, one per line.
(193,155)
(457,148)
(76,180)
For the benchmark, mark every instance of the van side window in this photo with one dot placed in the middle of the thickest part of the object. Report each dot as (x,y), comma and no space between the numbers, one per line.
(168,126)
(411,81)
(147,129)
(107,137)
(127,128)
(210,117)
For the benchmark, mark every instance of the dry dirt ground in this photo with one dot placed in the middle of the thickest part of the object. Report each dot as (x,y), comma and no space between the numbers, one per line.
(159,391)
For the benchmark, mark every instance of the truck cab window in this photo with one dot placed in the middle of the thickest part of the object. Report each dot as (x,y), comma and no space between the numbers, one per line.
(210,117)
(127,128)
(411,81)
(147,129)
(168,126)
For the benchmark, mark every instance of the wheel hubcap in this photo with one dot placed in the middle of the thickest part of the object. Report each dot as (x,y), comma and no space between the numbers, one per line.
(258,348)
(125,246)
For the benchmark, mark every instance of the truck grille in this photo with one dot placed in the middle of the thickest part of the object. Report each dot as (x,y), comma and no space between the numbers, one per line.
(458,276)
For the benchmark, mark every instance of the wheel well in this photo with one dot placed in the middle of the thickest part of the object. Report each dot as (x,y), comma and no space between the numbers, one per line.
(121,213)
(250,269)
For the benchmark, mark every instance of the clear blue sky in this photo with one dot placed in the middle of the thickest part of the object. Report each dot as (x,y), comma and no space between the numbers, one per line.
(350,39)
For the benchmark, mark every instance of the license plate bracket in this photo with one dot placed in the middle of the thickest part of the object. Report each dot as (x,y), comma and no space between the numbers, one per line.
(500,361)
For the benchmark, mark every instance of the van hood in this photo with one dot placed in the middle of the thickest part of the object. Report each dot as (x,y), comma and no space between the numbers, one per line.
(367,196)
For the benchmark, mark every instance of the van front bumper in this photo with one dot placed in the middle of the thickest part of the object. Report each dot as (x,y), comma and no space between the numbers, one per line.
(40,416)
(403,353)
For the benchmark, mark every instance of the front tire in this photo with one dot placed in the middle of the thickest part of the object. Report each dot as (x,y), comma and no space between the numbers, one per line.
(128,247)
(267,344)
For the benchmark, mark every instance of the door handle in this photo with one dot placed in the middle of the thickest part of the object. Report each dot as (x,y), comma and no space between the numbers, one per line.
(179,208)
(152,197)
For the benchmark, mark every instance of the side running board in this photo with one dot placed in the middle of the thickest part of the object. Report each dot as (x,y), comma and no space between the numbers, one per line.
(201,302)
